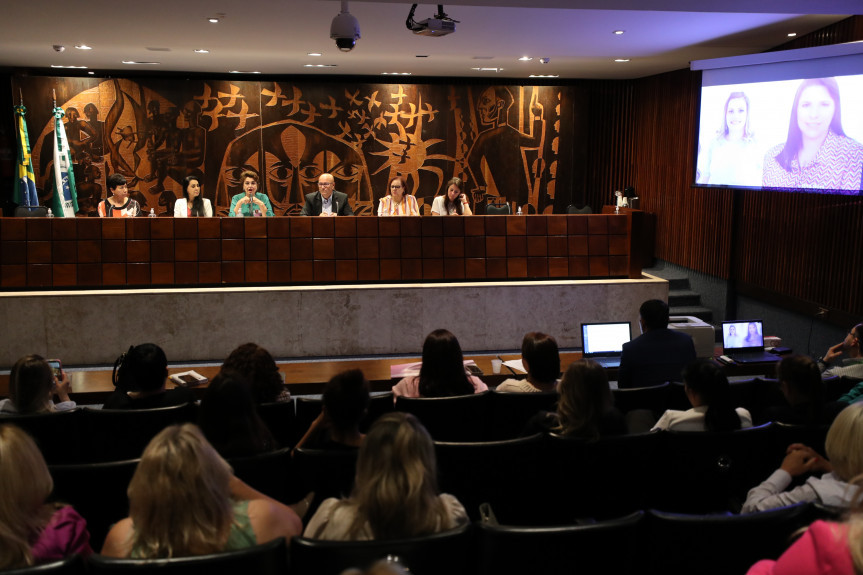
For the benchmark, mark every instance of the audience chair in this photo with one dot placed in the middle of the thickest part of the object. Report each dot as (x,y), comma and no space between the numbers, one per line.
(266,559)
(119,434)
(654,398)
(379,404)
(762,394)
(677,396)
(599,480)
(59,435)
(459,418)
(836,387)
(447,552)
(719,544)
(281,420)
(501,210)
(607,547)
(308,409)
(327,472)
(31,211)
(500,473)
(97,491)
(574,209)
(510,412)
(73,565)
(785,434)
(706,472)
(270,473)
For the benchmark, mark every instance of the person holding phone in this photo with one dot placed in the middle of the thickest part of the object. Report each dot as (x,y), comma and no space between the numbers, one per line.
(250,202)
(32,387)
(453,202)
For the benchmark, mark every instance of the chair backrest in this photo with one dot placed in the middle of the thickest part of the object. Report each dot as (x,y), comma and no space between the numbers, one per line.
(654,398)
(785,434)
(459,418)
(73,565)
(501,210)
(307,410)
(573,209)
(59,435)
(271,474)
(719,544)
(327,472)
(510,412)
(97,491)
(118,434)
(605,547)
(281,420)
(445,552)
(31,211)
(379,404)
(494,472)
(265,559)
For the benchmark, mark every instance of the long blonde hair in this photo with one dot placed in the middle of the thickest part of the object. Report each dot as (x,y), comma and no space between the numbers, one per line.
(25,484)
(844,443)
(396,482)
(179,497)
(584,398)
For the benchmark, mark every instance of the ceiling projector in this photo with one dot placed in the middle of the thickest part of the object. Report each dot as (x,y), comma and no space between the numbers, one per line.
(434,27)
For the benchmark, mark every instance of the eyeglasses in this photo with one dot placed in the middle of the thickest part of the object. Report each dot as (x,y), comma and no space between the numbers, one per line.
(326,183)
(395,186)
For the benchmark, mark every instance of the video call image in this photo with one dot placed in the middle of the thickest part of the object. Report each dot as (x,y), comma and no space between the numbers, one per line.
(742,334)
(791,134)
(606,338)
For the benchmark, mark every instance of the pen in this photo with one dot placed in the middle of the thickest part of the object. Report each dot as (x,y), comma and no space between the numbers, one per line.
(511,370)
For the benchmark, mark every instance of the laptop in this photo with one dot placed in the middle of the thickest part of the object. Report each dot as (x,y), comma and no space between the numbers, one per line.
(603,342)
(743,341)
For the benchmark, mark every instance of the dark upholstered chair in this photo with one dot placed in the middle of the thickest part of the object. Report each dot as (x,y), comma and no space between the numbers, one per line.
(380,404)
(31,211)
(501,210)
(510,412)
(281,420)
(574,209)
(270,473)
(97,491)
(719,544)
(446,552)
(118,434)
(459,418)
(266,559)
(73,565)
(654,398)
(327,472)
(606,547)
(60,435)
(495,472)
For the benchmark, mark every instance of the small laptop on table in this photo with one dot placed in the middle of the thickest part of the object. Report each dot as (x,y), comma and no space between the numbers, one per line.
(743,341)
(603,342)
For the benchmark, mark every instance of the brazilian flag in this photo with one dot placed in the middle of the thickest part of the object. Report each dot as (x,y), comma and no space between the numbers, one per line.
(25,186)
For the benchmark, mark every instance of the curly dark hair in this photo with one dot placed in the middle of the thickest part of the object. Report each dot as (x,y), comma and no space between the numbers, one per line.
(258,367)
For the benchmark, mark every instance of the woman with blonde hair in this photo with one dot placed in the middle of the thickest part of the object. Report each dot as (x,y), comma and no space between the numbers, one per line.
(844,462)
(184,500)
(32,531)
(395,491)
(32,386)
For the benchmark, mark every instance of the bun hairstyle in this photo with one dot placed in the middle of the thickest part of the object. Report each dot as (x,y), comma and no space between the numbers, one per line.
(141,368)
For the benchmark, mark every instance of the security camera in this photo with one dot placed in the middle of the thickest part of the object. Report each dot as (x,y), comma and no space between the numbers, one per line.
(345,29)
(59,48)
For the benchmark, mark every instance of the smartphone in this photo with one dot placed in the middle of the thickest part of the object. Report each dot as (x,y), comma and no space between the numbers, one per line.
(57,368)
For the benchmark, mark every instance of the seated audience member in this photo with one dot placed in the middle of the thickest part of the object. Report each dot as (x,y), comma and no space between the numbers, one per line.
(659,354)
(345,402)
(184,500)
(32,531)
(541,359)
(395,494)
(442,373)
(32,386)
(141,374)
(709,393)
(823,549)
(844,462)
(801,384)
(260,370)
(229,418)
(118,204)
(851,366)
(586,406)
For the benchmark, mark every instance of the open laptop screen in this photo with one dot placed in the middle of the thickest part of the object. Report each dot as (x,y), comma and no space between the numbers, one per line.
(746,334)
(604,339)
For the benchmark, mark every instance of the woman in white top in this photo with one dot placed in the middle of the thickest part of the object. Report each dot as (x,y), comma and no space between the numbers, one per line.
(395,493)
(193,204)
(844,446)
(709,393)
(399,202)
(453,203)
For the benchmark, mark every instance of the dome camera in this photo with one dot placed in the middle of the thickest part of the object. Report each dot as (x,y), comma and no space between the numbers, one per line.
(345,30)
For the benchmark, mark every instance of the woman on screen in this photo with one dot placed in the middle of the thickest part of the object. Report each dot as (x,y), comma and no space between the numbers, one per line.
(753,336)
(733,339)
(731,158)
(399,202)
(192,204)
(817,153)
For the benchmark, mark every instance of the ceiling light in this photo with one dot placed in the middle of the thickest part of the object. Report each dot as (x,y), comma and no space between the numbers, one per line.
(91,72)
(396,73)
(619,32)
(488,69)
(243,72)
(525,59)
(133,62)
(621,59)
(792,34)
(314,54)
(202,51)
(69,67)
(83,47)
(319,65)
(213,20)
(544,76)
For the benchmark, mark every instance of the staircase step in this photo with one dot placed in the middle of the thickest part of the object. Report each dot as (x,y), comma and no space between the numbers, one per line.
(701,312)
(681,298)
(677,284)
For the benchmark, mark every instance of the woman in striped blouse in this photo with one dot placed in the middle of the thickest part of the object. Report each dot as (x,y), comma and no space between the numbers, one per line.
(399,202)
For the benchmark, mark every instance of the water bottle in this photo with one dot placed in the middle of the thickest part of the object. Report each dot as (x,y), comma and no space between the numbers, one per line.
(152,213)
(518,212)
(50,213)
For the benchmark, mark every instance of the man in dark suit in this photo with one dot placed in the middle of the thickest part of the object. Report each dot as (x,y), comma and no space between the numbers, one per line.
(327,201)
(659,354)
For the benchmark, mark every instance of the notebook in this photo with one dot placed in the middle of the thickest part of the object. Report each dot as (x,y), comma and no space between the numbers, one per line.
(743,341)
(603,342)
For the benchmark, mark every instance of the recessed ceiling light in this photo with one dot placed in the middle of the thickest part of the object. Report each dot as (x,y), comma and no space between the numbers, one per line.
(69,67)
(422,55)
(243,72)
(619,32)
(91,72)
(202,51)
(544,76)
(488,69)
(83,47)
(133,62)
(314,54)
(621,59)
(213,20)
(396,73)
(792,34)
(525,59)
(319,65)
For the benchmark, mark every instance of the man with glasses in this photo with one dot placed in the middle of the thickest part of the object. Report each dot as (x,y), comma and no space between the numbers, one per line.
(851,366)
(327,201)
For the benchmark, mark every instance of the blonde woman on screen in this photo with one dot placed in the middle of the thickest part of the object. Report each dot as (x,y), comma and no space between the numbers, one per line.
(731,158)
